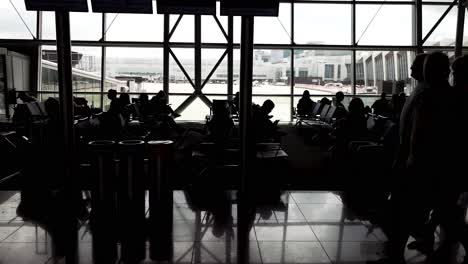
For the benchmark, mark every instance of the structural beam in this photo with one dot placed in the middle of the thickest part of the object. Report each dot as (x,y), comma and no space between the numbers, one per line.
(65,83)
(247,141)
(230,62)
(460,28)
(166,50)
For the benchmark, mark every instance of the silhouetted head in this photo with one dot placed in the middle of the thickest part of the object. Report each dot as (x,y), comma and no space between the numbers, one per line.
(383,95)
(237,95)
(112,94)
(143,98)
(356,107)
(161,95)
(394,97)
(22,95)
(460,71)
(436,68)
(325,100)
(124,99)
(220,108)
(306,94)
(268,106)
(52,107)
(339,97)
(417,68)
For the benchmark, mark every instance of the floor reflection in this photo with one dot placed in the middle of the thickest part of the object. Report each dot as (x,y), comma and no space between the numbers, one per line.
(310,228)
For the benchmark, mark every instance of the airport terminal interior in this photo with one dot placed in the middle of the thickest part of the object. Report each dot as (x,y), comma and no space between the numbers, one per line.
(224,131)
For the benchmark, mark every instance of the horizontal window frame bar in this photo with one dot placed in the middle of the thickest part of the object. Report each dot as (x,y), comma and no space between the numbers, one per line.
(212,94)
(259,46)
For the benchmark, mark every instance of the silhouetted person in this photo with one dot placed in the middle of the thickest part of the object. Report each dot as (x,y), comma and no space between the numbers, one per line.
(25,98)
(305,104)
(340,111)
(143,105)
(114,107)
(159,104)
(265,129)
(380,106)
(235,104)
(220,126)
(354,125)
(125,106)
(324,101)
(425,156)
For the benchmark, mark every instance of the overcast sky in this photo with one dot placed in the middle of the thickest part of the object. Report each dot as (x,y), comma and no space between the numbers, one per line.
(317,24)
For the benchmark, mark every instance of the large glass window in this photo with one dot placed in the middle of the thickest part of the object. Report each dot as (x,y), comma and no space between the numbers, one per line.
(384,25)
(86,63)
(322,71)
(322,24)
(83,26)
(135,27)
(135,70)
(274,29)
(185,30)
(178,81)
(217,84)
(383,71)
(15,21)
(444,34)
(272,72)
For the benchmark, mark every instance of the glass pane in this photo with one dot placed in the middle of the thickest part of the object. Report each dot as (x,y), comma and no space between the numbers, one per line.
(135,70)
(282,110)
(322,71)
(178,82)
(11,25)
(444,35)
(86,26)
(218,81)
(275,30)
(383,71)
(197,110)
(48,25)
(309,26)
(210,29)
(135,27)
(272,72)
(465,38)
(185,31)
(86,63)
(83,26)
(384,24)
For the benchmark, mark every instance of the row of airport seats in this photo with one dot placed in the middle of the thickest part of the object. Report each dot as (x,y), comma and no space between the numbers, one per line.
(321,114)
(374,153)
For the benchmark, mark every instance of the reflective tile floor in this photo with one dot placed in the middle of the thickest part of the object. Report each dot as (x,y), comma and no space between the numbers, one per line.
(312,229)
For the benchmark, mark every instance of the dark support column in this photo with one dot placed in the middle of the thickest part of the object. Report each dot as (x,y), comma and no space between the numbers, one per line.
(103,62)
(230,66)
(353,55)
(198,52)
(418,27)
(247,143)
(161,157)
(460,28)
(131,200)
(291,78)
(166,55)
(103,201)
(64,65)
